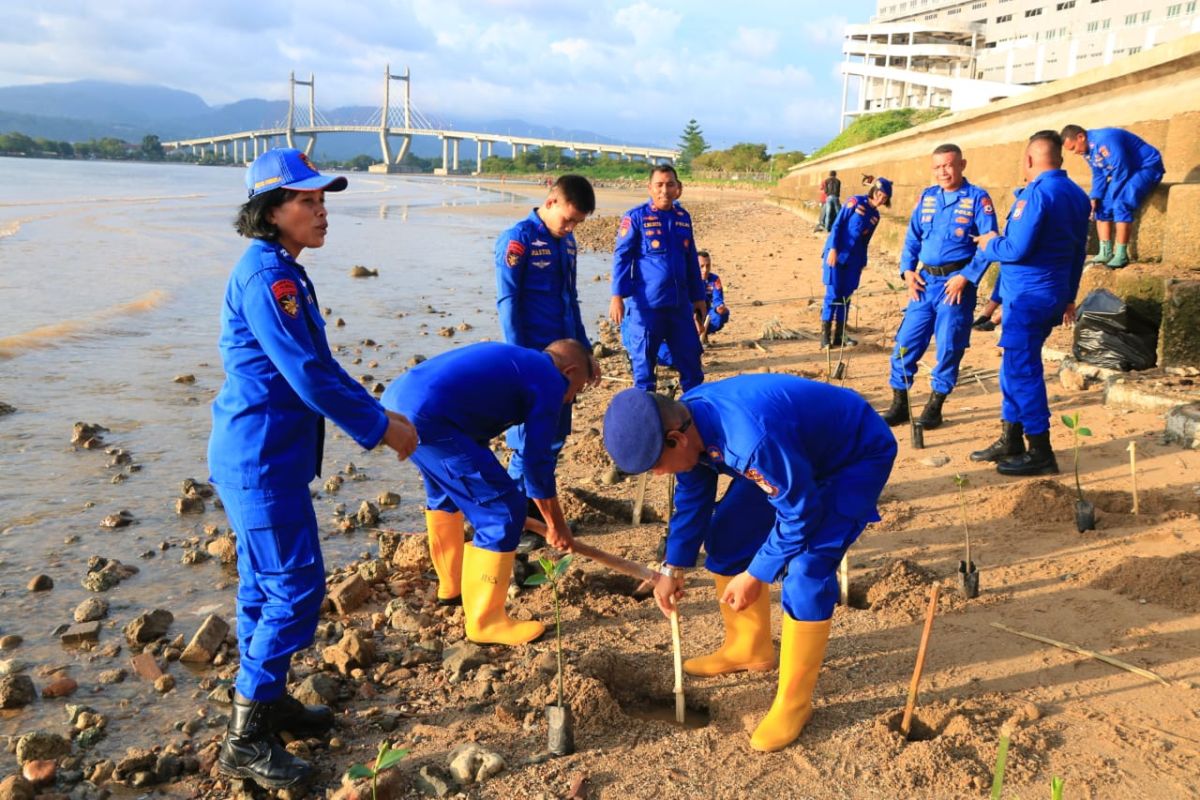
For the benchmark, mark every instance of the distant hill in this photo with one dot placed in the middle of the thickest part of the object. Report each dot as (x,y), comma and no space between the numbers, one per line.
(83,110)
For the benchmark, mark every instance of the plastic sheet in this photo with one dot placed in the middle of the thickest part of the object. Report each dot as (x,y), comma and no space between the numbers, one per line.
(1110,334)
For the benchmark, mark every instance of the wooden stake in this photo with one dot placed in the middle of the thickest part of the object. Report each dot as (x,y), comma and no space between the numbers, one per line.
(906,723)
(677,645)
(1133,472)
(1116,662)
(844,581)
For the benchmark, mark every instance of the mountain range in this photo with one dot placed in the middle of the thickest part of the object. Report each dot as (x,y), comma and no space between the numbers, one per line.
(81,110)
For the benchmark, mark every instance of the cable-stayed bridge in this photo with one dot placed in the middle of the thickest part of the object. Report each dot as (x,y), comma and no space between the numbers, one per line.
(395,125)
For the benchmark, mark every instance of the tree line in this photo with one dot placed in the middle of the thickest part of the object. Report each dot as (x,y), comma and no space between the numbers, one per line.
(15,143)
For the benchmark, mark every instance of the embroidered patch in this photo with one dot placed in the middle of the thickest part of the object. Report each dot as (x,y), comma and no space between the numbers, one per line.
(714,454)
(961,220)
(1018,208)
(851,203)
(959,232)
(987,206)
(1104,151)
(686,242)
(654,243)
(539,243)
(512,255)
(285,294)
(762,482)
(624,229)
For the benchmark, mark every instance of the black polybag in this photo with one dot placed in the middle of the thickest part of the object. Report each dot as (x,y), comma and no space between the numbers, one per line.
(1108,333)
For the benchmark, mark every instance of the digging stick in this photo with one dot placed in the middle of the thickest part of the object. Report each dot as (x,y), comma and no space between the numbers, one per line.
(906,723)
(639,498)
(677,646)
(615,563)
(1116,662)
(1133,473)
(844,581)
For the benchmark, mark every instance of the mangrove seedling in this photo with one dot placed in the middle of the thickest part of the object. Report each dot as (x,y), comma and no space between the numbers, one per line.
(1056,788)
(917,432)
(387,758)
(561,735)
(1085,512)
(998,771)
(968,576)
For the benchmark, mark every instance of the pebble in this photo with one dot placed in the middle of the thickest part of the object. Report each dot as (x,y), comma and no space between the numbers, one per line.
(91,609)
(63,687)
(10,642)
(936,461)
(472,763)
(40,583)
(39,773)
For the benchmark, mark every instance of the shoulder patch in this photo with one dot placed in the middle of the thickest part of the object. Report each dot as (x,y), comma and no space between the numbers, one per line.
(626,224)
(762,482)
(851,203)
(987,204)
(1018,209)
(513,253)
(286,295)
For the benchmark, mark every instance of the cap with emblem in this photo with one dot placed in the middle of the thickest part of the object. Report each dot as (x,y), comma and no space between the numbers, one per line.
(885,186)
(288,168)
(633,431)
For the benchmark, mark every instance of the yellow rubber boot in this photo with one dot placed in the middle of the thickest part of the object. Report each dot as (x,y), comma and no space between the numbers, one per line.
(801,651)
(446,549)
(747,644)
(484,589)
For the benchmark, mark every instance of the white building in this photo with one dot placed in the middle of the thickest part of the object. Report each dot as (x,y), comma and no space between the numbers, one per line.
(961,54)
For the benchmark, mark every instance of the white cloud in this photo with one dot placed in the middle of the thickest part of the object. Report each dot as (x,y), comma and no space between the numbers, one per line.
(757,43)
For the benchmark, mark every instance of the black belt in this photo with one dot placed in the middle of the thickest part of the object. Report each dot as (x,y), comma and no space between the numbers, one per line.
(945,269)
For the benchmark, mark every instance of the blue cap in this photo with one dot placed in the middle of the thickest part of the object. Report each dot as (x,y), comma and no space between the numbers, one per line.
(885,186)
(633,431)
(288,168)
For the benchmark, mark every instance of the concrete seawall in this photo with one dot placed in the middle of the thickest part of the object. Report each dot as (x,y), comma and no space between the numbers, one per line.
(1155,94)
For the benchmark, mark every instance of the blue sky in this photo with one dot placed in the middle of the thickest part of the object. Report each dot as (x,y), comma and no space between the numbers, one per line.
(632,69)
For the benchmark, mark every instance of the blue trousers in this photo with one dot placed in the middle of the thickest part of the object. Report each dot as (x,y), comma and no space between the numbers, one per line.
(645,330)
(741,523)
(715,323)
(516,441)
(829,212)
(461,474)
(1027,324)
(1120,203)
(281,583)
(840,283)
(931,317)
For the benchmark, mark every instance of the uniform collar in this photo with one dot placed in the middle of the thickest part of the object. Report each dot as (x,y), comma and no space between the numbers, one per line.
(536,220)
(1050,173)
(708,426)
(280,252)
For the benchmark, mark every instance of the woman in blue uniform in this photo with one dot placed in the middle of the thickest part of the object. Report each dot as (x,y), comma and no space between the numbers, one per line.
(845,256)
(281,383)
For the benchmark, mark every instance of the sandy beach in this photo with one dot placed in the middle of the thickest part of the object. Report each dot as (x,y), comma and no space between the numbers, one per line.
(1129,589)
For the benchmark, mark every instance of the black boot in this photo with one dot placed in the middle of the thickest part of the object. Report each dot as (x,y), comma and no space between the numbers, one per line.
(898,411)
(1011,443)
(840,336)
(825,326)
(251,751)
(983,323)
(289,714)
(931,416)
(1039,460)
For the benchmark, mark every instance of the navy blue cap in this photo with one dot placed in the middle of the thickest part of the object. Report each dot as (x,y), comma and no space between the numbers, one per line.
(633,431)
(885,186)
(288,168)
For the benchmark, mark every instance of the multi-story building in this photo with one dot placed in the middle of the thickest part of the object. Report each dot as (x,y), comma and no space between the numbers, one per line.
(961,54)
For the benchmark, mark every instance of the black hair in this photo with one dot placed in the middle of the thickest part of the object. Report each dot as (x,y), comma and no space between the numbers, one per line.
(1071,131)
(703,254)
(577,191)
(253,218)
(664,168)
(833,173)
(947,148)
(1055,142)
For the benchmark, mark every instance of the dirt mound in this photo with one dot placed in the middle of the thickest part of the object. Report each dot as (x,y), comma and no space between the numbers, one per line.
(1154,501)
(893,515)
(953,744)
(899,590)
(1173,582)
(1041,500)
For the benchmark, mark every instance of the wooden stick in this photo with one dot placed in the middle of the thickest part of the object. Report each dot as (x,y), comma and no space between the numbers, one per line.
(677,646)
(1133,472)
(906,723)
(1116,662)
(844,581)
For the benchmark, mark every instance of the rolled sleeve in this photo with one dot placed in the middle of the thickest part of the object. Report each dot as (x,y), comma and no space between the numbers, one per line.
(695,497)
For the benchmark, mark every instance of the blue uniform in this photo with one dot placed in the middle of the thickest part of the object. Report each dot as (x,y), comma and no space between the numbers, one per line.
(1041,255)
(852,230)
(657,272)
(281,382)
(939,236)
(462,399)
(1124,170)
(718,315)
(808,463)
(538,301)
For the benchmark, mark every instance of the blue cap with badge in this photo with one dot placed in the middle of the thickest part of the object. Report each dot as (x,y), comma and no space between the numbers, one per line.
(633,431)
(288,168)
(885,186)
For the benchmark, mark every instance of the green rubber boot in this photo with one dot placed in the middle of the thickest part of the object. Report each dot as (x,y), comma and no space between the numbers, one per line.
(1120,257)
(1105,254)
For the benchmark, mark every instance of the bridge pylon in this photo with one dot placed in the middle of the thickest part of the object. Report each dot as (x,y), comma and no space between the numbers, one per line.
(311,83)
(389,162)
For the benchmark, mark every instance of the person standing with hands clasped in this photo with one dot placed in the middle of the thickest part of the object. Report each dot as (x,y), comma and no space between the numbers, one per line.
(281,383)
(1041,257)
(808,462)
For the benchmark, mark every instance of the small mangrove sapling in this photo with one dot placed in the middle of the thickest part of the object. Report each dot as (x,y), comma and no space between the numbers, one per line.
(968,576)
(561,736)
(1085,512)
(385,759)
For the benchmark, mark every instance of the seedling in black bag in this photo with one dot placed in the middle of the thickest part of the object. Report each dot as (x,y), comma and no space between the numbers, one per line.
(1085,512)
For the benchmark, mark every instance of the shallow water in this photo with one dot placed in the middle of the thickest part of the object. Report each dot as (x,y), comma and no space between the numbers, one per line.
(111,277)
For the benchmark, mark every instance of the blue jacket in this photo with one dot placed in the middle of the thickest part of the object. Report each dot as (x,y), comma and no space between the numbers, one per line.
(1114,154)
(1045,241)
(796,439)
(480,391)
(939,233)
(654,259)
(852,230)
(536,292)
(714,292)
(281,381)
